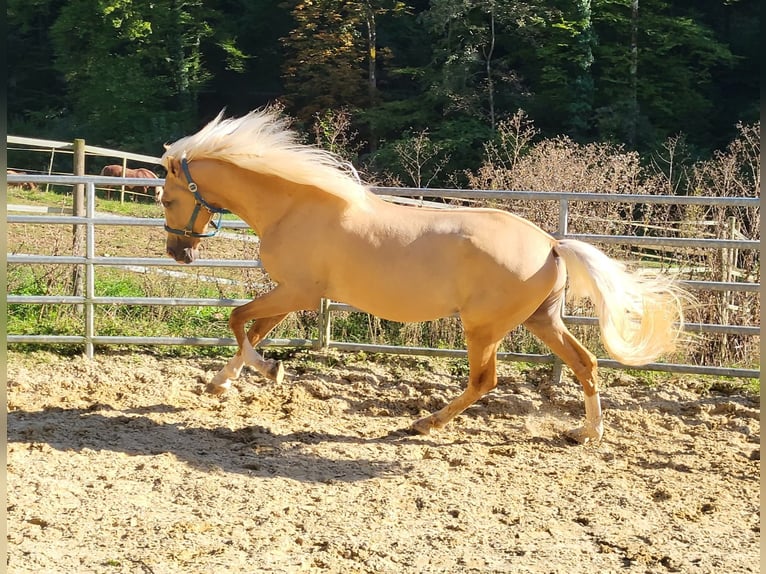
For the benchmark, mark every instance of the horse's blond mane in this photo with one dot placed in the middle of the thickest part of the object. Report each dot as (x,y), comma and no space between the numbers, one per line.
(262,142)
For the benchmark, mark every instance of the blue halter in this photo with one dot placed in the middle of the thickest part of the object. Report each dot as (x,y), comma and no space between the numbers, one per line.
(188,231)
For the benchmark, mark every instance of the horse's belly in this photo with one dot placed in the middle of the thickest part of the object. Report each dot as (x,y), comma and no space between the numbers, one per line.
(395,301)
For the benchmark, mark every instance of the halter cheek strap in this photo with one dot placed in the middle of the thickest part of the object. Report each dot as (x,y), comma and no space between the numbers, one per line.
(188,231)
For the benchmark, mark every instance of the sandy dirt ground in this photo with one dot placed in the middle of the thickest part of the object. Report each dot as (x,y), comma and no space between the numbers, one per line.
(124,465)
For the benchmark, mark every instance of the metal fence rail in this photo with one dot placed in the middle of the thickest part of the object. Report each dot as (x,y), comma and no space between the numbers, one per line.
(90,261)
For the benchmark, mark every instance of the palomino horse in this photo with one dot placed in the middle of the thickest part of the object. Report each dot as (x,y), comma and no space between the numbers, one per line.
(116,170)
(323,234)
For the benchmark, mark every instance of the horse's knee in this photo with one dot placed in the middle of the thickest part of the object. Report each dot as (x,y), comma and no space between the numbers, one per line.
(236,318)
(237,326)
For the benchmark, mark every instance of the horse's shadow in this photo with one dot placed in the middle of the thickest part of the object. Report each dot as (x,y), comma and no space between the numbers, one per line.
(251,450)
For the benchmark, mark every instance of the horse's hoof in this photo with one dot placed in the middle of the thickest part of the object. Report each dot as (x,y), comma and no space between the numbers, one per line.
(276,372)
(216,389)
(422,427)
(585,434)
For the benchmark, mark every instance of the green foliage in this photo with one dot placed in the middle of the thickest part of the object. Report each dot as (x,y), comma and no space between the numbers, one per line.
(566,79)
(326,55)
(138,73)
(677,58)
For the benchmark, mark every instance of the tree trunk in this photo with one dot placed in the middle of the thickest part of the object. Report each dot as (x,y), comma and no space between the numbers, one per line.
(372,63)
(488,57)
(633,103)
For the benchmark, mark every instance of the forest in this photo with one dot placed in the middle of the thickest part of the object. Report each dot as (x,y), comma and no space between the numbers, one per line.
(369,78)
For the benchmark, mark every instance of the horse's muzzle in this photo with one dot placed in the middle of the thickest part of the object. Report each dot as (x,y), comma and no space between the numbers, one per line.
(182,255)
(182,249)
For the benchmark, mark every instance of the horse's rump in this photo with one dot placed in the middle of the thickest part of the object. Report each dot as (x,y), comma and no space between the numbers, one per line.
(141,172)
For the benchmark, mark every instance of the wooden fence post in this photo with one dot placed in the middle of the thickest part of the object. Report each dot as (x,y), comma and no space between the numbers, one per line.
(78,209)
(124,174)
(50,169)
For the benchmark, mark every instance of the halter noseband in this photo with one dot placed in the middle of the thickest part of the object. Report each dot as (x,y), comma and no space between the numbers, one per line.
(188,231)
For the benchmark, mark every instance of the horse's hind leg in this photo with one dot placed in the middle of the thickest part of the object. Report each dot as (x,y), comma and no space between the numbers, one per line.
(546,323)
(482,378)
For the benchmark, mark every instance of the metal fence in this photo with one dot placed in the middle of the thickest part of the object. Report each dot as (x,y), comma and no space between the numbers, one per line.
(89,301)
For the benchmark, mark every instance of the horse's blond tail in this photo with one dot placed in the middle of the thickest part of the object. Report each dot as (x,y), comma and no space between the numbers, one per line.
(641,316)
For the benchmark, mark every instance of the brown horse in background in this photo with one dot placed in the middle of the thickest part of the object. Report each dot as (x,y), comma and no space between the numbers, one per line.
(116,170)
(24,185)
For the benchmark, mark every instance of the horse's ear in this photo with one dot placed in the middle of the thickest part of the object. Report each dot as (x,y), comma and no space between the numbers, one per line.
(173,165)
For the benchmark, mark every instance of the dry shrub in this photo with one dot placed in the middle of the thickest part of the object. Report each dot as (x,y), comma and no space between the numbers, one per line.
(559,164)
(733,172)
(513,162)
(333,132)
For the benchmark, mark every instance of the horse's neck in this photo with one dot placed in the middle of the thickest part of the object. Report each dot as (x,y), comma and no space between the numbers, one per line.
(264,201)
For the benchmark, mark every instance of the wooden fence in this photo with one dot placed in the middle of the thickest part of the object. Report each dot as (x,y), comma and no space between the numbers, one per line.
(79,152)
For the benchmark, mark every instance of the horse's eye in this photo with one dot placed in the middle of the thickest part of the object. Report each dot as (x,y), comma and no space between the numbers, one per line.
(166,203)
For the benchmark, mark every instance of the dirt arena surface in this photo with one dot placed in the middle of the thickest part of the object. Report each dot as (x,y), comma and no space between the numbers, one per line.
(124,465)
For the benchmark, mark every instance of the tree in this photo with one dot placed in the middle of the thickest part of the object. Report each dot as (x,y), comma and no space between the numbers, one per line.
(134,72)
(36,98)
(324,67)
(138,73)
(482,50)
(566,84)
(333,54)
(244,56)
(654,68)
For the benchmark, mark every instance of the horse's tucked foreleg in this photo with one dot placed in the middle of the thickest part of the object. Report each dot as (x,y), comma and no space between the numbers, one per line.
(247,355)
(482,361)
(221,382)
(270,368)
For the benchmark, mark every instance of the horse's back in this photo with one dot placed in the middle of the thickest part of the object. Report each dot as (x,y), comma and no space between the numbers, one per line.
(112,170)
(143,173)
(497,244)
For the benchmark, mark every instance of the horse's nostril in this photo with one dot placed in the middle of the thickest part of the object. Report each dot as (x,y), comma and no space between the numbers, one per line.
(189,255)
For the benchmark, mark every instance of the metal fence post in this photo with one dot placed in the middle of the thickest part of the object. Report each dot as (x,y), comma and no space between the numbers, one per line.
(325,324)
(90,271)
(558,365)
(124,174)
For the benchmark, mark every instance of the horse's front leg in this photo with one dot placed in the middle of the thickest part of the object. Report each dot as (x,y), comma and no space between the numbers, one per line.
(482,378)
(247,355)
(266,312)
